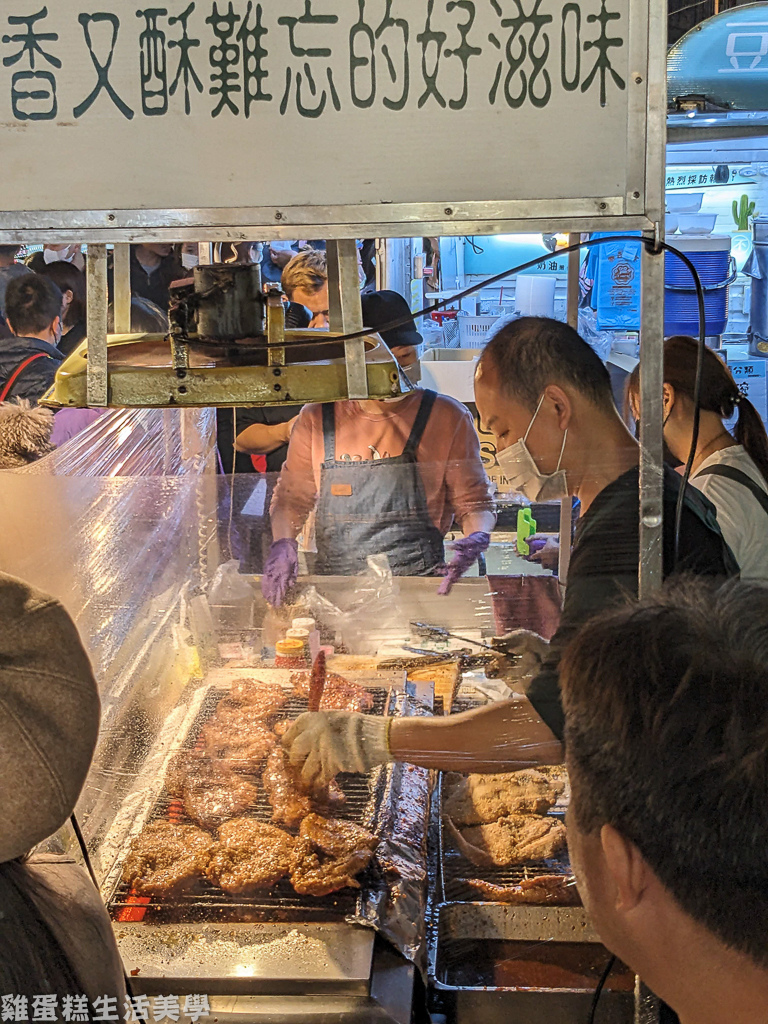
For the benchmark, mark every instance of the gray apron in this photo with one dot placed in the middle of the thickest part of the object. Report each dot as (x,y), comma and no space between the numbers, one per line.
(376,507)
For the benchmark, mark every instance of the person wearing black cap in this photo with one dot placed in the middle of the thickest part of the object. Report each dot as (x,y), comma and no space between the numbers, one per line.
(268,431)
(55,933)
(386,307)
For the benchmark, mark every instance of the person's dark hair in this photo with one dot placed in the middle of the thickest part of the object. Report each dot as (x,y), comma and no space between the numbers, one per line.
(32,303)
(31,958)
(719,393)
(666,711)
(9,250)
(69,278)
(533,352)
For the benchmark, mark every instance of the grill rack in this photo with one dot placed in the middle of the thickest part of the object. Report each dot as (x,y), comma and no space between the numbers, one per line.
(207,902)
(455,868)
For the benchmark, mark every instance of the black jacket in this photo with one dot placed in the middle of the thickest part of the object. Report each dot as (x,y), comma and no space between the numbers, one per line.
(155,286)
(35,380)
(604,561)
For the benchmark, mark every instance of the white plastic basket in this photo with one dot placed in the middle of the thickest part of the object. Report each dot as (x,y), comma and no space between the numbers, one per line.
(473,330)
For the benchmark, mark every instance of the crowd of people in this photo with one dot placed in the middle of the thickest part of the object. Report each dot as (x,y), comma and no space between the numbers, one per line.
(43,321)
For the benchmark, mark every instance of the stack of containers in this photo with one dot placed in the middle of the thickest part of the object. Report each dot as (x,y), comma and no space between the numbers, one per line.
(711,255)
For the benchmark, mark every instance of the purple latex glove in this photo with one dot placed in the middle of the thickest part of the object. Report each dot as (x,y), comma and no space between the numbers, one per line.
(281,571)
(535,544)
(545,551)
(468,550)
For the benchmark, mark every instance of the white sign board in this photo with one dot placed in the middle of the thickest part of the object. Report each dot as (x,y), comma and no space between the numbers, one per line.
(499,108)
(751,379)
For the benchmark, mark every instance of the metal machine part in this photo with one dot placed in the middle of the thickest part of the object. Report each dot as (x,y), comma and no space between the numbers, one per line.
(231,305)
(227,346)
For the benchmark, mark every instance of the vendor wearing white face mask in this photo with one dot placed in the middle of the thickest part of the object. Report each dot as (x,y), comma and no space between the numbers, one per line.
(547,397)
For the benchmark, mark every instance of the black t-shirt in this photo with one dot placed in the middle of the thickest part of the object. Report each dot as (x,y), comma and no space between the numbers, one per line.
(604,565)
(246,417)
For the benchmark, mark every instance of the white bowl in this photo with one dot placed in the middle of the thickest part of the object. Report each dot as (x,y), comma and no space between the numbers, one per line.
(684,202)
(670,223)
(697,223)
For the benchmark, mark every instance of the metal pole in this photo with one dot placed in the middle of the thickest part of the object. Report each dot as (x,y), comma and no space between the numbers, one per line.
(345,309)
(566,506)
(122,288)
(651,570)
(96,323)
(651,566)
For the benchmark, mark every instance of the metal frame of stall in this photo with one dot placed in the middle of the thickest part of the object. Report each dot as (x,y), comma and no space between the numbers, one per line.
(641,208)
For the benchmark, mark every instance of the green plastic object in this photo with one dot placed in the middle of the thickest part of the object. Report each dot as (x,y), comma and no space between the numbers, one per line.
(526,527)
(742,211)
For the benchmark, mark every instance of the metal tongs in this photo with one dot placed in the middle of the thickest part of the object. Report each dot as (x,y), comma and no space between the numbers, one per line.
(501,650)
(439,633)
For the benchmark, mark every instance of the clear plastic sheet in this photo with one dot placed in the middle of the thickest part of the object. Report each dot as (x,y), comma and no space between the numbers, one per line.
(136,443)
(147,548)
(113,523)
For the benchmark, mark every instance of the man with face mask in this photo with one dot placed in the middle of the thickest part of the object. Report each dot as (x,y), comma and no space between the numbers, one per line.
(29,360)
(50,254)
(547,397)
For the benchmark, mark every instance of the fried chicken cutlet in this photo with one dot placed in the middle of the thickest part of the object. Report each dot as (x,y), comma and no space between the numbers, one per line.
(289,798)
(210,791)
(165,859)
(546,890)
(250,856)
(264,699)
(514,839)
(480,799)
(339,693)
(238,736)
(329,855)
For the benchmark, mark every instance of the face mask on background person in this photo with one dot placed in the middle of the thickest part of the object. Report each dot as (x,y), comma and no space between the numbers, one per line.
(519,466)
(189,261)
(65,255)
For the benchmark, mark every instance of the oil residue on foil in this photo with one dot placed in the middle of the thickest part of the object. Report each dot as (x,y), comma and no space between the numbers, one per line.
(497,963)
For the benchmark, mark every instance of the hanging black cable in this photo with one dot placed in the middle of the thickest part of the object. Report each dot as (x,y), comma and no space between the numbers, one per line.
(476,249)
(87,859)
(599,989)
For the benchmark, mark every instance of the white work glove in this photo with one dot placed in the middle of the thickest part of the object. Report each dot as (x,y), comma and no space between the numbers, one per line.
(324,743)
(526,652)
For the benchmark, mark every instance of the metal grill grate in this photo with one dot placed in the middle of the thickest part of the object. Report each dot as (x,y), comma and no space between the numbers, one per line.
(209,903)
(455,869)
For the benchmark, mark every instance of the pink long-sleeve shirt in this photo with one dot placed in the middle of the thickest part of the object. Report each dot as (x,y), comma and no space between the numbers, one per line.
(455,482)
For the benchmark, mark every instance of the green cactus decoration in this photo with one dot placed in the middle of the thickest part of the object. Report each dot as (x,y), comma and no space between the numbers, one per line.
(742,211)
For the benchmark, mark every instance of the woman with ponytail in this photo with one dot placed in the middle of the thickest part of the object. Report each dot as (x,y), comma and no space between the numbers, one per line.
(731,469)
